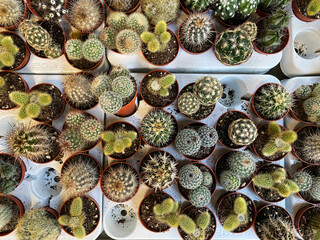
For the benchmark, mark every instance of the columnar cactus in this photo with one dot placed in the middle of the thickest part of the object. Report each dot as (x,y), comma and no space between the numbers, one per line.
(271,5)
(190,176)
(127,41)
(161,86)
(75,119)
(238,216)
(137,22)
(241,163)
(188,103)
(71,141)
(229,180)
(303,179)
(313,7)
(8,51)
(110,102)
(73,49)
(279,19)
(122,86)
(8,172)
(200,196)
(6,214)
(101,84)
(195,230)
(242,132)
(91,130)
(208,90)
(11,12)
(167,212)
(188,142)
(198,5)
(92,50)
(208,136)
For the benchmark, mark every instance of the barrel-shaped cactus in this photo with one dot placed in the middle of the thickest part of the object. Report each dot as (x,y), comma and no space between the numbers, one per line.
(38,37)
(92,50)
(73,49)
(101,84)
(208,90)
(241,163)
(117,20)
(127,41)
(200,196)
(198,5)
(91,129)
(188,142)
(190,176)
(137,22)
(108,37)
(229,180)
(229,9)
(242,132)
(75,118)
(303,179)
(188,103)
(208,136)
(110,102)
(122,86)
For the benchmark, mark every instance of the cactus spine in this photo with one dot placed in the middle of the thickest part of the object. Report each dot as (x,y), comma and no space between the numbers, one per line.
(200,196)
(190,176)
(208,90)
(303,179)
(208,136)
(238,216)
(188,142)
(229,180)
(101,84)
(309,149)
(92,50)
(241,163)
(110,102)
(198,5)
(242,132)
(188,103)
(8,172)
(11,12)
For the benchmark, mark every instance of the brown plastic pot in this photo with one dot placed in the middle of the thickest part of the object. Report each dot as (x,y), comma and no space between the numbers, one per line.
(254,109)
(298,216)
(145,76)
(129,11)
(105,171)
(223,197)
(24,16)
(21,210)
(187,11)
(299,14)
(34,12)
(262,13)
(52,211)
(130,108)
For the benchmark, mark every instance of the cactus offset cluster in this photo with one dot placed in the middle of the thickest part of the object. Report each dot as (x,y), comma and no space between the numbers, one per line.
(242,132)
(167,212)
(75,219)
(196,230)
(38,224)
(6,214)
(8,51)
(198,5)
(160,86)
(8,173)
(308,183)
(238,215)
(11,12)
(272,5)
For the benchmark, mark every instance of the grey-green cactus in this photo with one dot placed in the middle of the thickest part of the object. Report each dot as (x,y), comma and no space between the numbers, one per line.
(108,37)
(242,132)
(6,214)
(8,173)
(73,49)
(118,71)
(91,129)
(200,196)
(188,103)
(207,179)
(241,164)
(229,180)
(122,86)
(190,176)
(208,90)
(208,136)
(303,92)
(127,41)
(188,142)
(92,50)
(110,102)
(71,141)
(101,84)
(303,179)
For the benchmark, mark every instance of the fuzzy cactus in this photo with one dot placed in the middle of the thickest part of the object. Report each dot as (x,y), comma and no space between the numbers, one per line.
(75,118)
(110,102)
(127,41)
(315,188)
(200,196)
(303,179)
(8,51)
(137,22)
(92,50)
(190,176)
(229,180)
(71,141)
(208,90)
(310,147)
(73,49)
(38,224)
(272,101)
(196,230)
(117,142)
(117,20)
(120,182)
(242,132)
(241,163)
(198,5)
(158,128)
(279,141)
(11,12)
(118,71)
(91,130)
(160,86)
(122,86)
(167,212)
(238,216)
(188,142)
(101,84)
(229,9)
(271,5)
(208,136)
(188,103)
(6,214)
(8,172)
(108,37)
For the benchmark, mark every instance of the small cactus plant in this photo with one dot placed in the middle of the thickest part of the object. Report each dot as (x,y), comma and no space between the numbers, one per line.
(71,141)
(118,71)
(313,8)
(208,90)
(188,103)
(137,22)
(74,119)
(101,84)
(73,49)
(123,86)
(315,189)
(6,214)
(53,10)
(8,51)
(92,50)
(167,212)
(208,136)
(188,142)
(238,216)
(11,12)
(91,130)
(110,102)
(8,172)
(251,29)
(117,20)
(303,179)
(309,147)
(198,5)
(271,5)
(108,37)
(195,230)
(160,86)
(278,20)
(242,132)
(229,180)
(200,196)
(127,41)
(241,163)
(190,176)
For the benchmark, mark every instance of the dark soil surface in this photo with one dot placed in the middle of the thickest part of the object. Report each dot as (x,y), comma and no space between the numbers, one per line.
(162,57)
(223,124)
(194,212)
(52,111)
(13,83)
(302,5)
(90,210)
(133,3)
(12,160)
(157,100)
(297,108)
(185,192)
(314,171)
(146,214)
(21,55)
(182,2)
(236,20)
(55,32)
(226,206)
(203,112)
(43,12)
(15,216)
(304,224)
(262,140)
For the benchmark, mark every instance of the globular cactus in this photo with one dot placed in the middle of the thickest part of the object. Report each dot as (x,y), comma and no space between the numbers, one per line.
(101,84)
(120,5)
(251,30)
(242,132)
(71,141)
(38,37)
(73,49)
(198,5)
(246,7)
(91,130)
(207,179)
(75,119)
(79,177)
(8,172)
(188,142)
(279,141)
(118,71)
(200,196)
(11,12)
(110,102)
(279,19)
(208,90)
(53,51)
(38,224)
(92,50)
(241,163)
(188,103)
(75,219)
(303,179)
(159,171)
(229,180)
(117,20)
(108,37)
(309,149)
(120,183)
(315,188)
(8,51)
(276,226)
(158,128)
(272,101)
(303,92)
(127,41)
(228,9)
(117,142)
(167,212)
(238,216)
(137,22)
(161,86)
(208,136)
(6,214)
(123,86)
(271,5)
(311,107)
(85,15)
(313,7)
(190,176)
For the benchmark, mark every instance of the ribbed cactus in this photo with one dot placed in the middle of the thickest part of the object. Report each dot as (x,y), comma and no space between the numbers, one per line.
(117,20)
(271,5)
(118,71)
(208,136)
(101,84)
(309,147)
(269,38)
(91,130)
(71,141)
(127,41)
(161,86)
(11,12)
(120,182)
(279,19)
(122,86)
(190,176)
(315,188)
(229,180)
(198,5)
(159,171)
(200,196)
(8,50)
(272,101)
(73,49)
(313,7)
(6,214)
(242,132)
(75,119)
(251,29)
(8,172)
(208,90)
(238,216)
(108,37)
(188,103)
(167,212)
(188,142)
(241,163)
(38,224)
(158,128)
(303,179)
(110,102)
(92,50)
(229,9)
(137,22)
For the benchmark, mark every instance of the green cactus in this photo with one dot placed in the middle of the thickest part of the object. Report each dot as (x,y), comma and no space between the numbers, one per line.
(238,216)
(208,90)
(137,22)
(272,101)
(190,176)
(188,103)
(303,179)
(127,41)
(242,132)
(198,5)
(92,50)
(270,38)
(208,136)
(188,142)
(122,86)
(8,172)
(229,9)
(2,83)
(91,130)
(38,224)
(118,71)
(200,196)
(241,163)
(6,214)
(71,141)
(167,212)
(73,49)
(271,5)
(74,119)
(303,92)
(246,7)
(161,86)
(101,84)
(8,51)
(313,8)
(251,29)
(207,179)
(315,188)
(117,20)
(117,142)
(11,12)
(108,37)
(311,107)
(53,51)
(278,20)
(110,102)
(229,180)
(38,37)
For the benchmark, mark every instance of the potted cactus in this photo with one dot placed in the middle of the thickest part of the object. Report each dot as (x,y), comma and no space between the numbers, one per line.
(271,102)
(12,13)
(236,212)
(158,170)
(196,183)
(120,140)
(41,223)
(235,170)
(159,45)
(272,183)
(85,15)
(197,33)
(37,143)
(306,148)
(79,216)
(267,7)
(273,142)
(120,182)
(159,88)
(122,33)
(9,82)
(47,9)
(306,222)
(158,128)
(11,210)
(196,6)
(274,222)
(80,173)
(306,11)
(12,171)
(197,100)
(126,6)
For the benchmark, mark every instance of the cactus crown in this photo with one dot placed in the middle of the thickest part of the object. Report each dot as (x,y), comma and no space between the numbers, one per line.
(110,102)
(160,86)
(188,141)
(8,50)
(242,132)
(75,118)
(101,84)
(200,196)
(92,50)
(123,86)
(303,179)
(8,173)
(208,136)
(208,90)
(127,41)
(238,216)
(188,103)
(120,5)
(241,164)
(11,12)
(190,176)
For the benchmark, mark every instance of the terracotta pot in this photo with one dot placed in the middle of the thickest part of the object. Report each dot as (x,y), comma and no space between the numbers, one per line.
(98,25)
(262,13)
(82,154)
(145,76)
(139,209)
(299,14)
(34,12)
(62,109)
(187,11)
(21,210)
(223,197)
(130,11)
(105,171)
(24,16)
(298,216)
(254,109)
(84,196)
(52,211)
(130,108)
(138,136)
